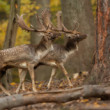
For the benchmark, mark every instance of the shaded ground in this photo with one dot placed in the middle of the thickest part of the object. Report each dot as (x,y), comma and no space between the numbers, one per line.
(81,104)
(84,104)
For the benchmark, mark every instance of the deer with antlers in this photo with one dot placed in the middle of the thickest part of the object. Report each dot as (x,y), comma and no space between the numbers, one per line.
(27,56)
(58,56)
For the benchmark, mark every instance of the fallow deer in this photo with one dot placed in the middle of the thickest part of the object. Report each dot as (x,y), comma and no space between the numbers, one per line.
(28,56)
(58,56)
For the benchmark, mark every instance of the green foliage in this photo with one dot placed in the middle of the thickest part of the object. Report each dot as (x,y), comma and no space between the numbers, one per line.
(60,40)
(3,25)
(22,37)
(94,6)
(29,8)
(55,5)
(4,6)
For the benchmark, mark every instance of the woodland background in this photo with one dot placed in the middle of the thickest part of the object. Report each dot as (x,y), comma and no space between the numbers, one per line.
(82,11)
(90,92)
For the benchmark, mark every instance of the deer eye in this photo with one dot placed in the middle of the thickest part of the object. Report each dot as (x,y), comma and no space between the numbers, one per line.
(77,35)
(49,33)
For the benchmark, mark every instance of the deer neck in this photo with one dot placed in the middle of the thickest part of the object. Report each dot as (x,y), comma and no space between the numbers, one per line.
(71,46)
(44,45)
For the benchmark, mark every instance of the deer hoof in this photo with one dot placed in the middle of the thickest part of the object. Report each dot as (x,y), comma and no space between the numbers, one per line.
(17,91)
(7,93)
(70,85)
(48,86)
(23,89)
(34,89)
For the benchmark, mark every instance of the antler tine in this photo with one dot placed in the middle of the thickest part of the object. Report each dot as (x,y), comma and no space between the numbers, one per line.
(22,24)
(45,15)
(60,24)
(45,18)
(76,27)
(40,23)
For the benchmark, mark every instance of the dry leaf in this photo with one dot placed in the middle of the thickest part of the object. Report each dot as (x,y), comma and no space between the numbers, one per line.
(96,104)
(61,84)
(84,100)
(40,85)
(13,84)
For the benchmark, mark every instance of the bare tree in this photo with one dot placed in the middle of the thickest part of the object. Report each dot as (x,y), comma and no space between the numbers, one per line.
(12,26)
(11,31)
(101,69)
(80,11)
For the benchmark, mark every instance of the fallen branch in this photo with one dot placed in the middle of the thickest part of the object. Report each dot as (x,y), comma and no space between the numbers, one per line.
(54,96)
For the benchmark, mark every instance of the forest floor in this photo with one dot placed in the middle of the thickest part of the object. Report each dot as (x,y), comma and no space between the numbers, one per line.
(80,104)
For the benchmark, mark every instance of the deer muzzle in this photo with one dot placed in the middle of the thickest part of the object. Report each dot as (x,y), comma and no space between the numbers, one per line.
(81,37)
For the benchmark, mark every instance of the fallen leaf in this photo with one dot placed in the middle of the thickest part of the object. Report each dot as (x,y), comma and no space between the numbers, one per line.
(61,84)
(13,84)
(96,104)
(84,100)
(40,85)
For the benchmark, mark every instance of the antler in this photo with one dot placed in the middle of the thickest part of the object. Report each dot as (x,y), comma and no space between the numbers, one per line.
(40,23)
(46,23)
(60,25)
(59,22)
(22,24)
(76,25)
(45,15)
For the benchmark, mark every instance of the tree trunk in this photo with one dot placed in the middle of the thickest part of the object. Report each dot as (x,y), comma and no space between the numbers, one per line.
(35,39)
(80,11)
(101,69)
(11,32)
(59,96)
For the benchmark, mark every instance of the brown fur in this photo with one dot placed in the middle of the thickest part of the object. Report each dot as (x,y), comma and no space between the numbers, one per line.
(58,56)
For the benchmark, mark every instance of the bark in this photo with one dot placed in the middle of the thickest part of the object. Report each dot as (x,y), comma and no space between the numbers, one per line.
(35,39)
(55,96)
(80,11)
(101,70)
(11,32)
(12,25)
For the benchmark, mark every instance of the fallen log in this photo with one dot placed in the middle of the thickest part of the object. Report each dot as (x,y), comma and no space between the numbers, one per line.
(54,96)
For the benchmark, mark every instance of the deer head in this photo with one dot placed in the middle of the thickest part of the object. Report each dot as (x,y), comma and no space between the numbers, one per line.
(70,34)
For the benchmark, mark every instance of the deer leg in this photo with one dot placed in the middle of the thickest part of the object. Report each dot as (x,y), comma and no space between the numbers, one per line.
(23,85)
(4,90)
(31,72)
(22,75)
(51,77)
(66,74)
